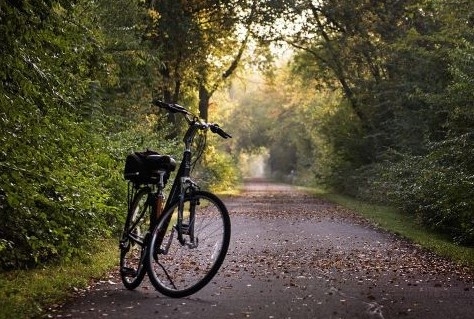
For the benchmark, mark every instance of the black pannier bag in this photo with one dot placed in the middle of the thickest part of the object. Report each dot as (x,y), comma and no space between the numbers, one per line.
(143,167)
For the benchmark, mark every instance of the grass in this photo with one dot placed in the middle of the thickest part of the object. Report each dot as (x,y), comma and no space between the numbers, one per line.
(394,221)
(28,293)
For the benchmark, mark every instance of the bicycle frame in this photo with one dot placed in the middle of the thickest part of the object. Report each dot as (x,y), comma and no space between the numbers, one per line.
(182,181)
(184,171)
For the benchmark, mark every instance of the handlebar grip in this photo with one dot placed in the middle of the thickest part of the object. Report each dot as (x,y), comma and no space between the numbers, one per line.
(216,129)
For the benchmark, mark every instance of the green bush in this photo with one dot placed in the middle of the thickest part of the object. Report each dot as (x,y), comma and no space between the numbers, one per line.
(217,170)
(64,188)
(57,185)
(445,192)
(437,189)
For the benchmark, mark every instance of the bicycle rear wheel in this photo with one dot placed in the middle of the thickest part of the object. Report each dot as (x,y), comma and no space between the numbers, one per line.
(178,269)
(133,241)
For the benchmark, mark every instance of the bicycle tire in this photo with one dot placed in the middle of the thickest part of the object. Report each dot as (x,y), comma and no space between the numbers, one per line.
(133,241)
(183,270)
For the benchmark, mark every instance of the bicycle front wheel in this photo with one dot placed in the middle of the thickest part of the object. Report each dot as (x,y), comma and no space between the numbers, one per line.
(179,267)
(133,240)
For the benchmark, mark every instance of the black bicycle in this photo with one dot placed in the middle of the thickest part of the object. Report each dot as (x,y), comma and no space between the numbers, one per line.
(182,241)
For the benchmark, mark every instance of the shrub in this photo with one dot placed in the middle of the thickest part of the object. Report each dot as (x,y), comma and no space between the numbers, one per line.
(217,170)
(436,188)
(57,191)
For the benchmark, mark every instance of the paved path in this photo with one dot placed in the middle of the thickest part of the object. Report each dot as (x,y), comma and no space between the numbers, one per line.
(294,256)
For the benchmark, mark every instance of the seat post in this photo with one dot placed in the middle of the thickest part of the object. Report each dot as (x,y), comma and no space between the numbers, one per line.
(161,181)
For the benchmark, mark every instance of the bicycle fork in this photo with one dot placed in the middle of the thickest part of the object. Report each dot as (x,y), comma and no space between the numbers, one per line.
(187,228)
(182,229)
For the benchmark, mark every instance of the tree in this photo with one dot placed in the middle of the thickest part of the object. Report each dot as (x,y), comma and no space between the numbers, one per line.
(405,85)
(200,44)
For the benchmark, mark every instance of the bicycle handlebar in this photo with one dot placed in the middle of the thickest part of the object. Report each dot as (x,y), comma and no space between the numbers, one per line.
(175,108)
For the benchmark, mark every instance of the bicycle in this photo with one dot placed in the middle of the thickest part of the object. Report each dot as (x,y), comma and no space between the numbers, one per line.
(181,242)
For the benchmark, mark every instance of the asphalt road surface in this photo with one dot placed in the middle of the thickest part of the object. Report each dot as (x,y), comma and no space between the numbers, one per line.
(294,256)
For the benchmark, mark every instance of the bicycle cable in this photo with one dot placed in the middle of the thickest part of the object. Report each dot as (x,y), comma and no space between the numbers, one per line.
(200,146)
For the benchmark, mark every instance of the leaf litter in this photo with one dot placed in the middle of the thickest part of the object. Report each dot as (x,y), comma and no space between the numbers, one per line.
(294,239)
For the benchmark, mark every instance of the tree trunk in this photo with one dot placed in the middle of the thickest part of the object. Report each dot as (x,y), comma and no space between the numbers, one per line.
(204,98)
